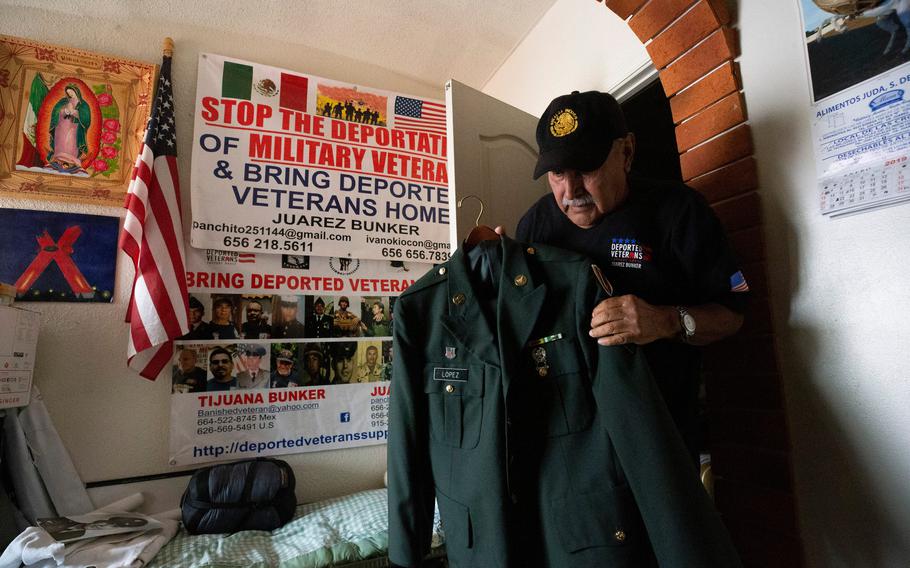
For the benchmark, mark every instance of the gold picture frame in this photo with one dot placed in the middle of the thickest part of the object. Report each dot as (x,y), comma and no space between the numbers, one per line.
(71,121)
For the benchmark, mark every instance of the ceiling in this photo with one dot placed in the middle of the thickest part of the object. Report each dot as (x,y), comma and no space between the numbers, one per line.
(428,40)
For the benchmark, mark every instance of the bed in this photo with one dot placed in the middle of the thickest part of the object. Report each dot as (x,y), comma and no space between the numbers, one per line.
(349,531)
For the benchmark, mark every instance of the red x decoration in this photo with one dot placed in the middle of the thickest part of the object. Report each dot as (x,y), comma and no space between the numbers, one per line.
(59,252)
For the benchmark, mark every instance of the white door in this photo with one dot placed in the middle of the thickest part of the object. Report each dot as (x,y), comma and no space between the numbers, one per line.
(491,154)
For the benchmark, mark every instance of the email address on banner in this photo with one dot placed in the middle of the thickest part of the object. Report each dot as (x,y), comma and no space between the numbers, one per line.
(254,448)
(272,409)
(293,240)
(424,249)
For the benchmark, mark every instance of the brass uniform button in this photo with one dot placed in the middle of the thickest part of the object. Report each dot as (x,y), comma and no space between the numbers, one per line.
(521,280)
(531,250)
(442,270)
(543,371)
(458,299)
(450,389)
(620,535)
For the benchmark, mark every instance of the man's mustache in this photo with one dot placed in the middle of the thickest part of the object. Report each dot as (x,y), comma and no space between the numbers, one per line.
(578,202)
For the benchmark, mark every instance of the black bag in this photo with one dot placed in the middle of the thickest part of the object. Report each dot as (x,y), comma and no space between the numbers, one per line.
(247,495)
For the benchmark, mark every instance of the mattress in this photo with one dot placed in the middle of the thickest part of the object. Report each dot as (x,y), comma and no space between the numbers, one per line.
(350,531)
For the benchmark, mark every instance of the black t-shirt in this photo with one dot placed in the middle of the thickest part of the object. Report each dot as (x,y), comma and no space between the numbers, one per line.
(665,245)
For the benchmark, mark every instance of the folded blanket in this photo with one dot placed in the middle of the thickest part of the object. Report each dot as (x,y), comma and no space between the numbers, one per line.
(35,548)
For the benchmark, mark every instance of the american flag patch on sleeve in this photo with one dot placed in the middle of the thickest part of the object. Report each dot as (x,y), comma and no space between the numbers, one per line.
(738,282)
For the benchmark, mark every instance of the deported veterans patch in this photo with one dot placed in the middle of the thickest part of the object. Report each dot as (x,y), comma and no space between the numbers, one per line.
(629,253)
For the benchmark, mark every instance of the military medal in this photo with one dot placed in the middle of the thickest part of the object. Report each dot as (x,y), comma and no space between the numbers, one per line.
(543,340)
(602,280)
(539,354)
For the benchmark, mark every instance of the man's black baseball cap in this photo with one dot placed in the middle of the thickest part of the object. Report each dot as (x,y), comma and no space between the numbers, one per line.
(577,131)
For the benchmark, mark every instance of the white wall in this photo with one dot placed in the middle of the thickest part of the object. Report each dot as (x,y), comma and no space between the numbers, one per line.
(839,287)
(841,308)
(577,45)
(114,423)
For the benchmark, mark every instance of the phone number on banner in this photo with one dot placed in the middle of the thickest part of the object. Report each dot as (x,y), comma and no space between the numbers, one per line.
(246,237)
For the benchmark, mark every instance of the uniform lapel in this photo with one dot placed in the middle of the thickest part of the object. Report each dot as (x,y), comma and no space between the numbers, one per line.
(521,298)
(464,320)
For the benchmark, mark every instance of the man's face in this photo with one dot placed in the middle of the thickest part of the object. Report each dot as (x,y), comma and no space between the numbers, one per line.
(289,312)
(252,362)
(377,309)
(221,366)
(186,360)
(284,367)
(585,197)
(372,356)
(343,305)
(344,369)
(222,313)
(195,315)
(320,309)
(312,364)
(253,312)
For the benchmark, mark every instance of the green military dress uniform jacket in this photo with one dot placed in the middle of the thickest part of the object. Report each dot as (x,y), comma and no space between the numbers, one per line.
(561,458)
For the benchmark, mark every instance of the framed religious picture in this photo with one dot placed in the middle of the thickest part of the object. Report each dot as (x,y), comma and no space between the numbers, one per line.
(71,121)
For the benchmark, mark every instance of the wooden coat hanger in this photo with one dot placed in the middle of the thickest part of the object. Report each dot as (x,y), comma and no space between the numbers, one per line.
(479,232)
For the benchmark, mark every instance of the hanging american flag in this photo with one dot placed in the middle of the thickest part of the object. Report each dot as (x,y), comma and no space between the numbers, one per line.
(414,114)
(153,237)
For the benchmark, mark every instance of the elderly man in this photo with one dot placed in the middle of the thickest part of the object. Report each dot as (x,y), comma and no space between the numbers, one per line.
(676,281)
(254,377)
(221,365)
(187,377)
(284,374)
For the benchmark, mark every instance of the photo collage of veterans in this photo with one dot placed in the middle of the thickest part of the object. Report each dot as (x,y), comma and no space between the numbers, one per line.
(246,341)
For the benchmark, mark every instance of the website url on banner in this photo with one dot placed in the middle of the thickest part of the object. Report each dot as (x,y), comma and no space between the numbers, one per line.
(247,447)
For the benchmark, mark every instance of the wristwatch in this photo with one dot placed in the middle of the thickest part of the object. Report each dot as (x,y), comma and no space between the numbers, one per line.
(686,324)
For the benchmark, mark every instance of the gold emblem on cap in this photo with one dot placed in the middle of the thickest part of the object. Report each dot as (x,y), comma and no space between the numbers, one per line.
(563,122)
(458,299)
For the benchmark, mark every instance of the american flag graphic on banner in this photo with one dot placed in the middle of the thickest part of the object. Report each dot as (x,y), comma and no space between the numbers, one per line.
(414,114)
(153,238)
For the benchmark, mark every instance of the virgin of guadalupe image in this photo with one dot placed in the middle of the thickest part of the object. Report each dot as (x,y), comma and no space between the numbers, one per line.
(70,120)
(61,130)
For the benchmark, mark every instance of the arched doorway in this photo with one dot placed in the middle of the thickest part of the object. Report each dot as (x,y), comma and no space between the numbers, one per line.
(694,49)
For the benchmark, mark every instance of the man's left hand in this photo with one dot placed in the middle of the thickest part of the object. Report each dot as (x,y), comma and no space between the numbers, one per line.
(629,319)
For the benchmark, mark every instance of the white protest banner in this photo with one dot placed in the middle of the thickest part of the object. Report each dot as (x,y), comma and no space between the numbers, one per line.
(282,418)
(286,162)
(286,354)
